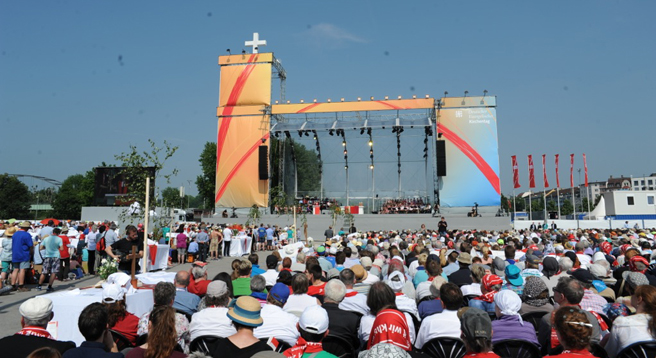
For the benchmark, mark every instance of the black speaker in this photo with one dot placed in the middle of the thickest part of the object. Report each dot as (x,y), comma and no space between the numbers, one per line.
(263,167)
(440,151)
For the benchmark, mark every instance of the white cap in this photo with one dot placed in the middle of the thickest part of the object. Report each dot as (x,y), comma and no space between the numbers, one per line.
(396,281)
(112,293)
(333,250)
(423,290)
(314,319)
(36,308)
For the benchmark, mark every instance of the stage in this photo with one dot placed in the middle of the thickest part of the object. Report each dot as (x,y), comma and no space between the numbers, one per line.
(317,224)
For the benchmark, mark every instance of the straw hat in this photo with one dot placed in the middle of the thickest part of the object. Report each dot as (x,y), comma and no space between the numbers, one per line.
(10,231)
(246,311)
(25,225)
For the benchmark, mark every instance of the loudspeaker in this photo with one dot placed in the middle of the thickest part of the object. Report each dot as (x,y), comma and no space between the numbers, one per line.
(263,167)
(440,151)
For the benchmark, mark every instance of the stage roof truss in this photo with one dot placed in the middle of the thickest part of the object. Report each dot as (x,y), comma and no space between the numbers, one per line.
(351,122)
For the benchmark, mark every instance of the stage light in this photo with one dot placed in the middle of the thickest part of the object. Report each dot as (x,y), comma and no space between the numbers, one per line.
(399,97)
(427,96)
(466,93)
(371,151)
(288,135)
(371,166)
(346,167)
(314,137)
(276,102)
(331,132)
(302,101)
(371,156)
(371,98)
(243,52)
(439,135)
(386,98)
(445,93)
(362,131)
(369,131)
(484,93)
(342,99)
(343,143)
(371,143)
(300,134)
(345,152)
(414,96)
(328,100)
(315,100)
(288,102)
(228,51)
(276,134)
(359,99)
(307,133)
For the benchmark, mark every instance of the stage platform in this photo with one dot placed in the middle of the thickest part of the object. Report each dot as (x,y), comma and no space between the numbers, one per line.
(317,224)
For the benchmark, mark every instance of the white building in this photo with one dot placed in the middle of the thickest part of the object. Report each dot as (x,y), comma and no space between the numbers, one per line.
(630,202)
(644,183)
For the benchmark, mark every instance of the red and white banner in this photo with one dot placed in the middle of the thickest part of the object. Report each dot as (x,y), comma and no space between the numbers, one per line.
(557,177)
(585,167)
(531,172)
(571,170)
(515,169)
(544,170)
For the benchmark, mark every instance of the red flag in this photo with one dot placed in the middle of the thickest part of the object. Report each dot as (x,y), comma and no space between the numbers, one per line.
(571,170)
(531,172)
(585,168)
(515,169)
(544,171)
(557,177)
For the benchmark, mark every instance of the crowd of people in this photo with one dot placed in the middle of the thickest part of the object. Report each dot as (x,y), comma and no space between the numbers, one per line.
(558,293)
(405,206)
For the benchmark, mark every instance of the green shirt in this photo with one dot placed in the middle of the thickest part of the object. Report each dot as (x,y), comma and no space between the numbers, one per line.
(241,286)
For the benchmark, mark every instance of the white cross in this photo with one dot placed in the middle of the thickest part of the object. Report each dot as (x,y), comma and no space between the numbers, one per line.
(256,42)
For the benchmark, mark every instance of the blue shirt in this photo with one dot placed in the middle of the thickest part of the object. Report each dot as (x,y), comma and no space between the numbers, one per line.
(256,270)
(269,234)
(193,247)
(261,232)
(185,302)
(21,244)
(91,349)
(202,237)
(52,244)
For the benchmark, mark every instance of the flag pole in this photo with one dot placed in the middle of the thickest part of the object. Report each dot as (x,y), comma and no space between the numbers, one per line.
(545,204)
(558,195)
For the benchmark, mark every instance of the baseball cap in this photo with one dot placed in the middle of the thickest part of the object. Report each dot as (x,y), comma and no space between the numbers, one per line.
(112,293)
(280,292)
(36,308)
(583,275)
(271,260)
(314,319)
(217,288)
(475,323)
(532,259)
(513,276)
(321,250)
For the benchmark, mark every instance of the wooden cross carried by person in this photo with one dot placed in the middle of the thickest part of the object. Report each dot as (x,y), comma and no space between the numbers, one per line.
(133,270)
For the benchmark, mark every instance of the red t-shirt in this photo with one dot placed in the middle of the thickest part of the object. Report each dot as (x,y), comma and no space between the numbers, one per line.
(572,354)
(197,287)
(63,252)
(317,290)
(481,355)
(128,327)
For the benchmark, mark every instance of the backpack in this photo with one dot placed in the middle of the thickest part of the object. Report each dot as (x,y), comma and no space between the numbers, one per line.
(101,244)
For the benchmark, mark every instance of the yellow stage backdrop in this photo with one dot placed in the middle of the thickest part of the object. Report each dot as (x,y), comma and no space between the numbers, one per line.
(242,127)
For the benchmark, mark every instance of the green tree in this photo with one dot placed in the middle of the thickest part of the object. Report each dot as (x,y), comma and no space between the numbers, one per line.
(518,202)
(137,164)
(552,206)
(504,204)
(171,197)
(566,207)
(308,167)
(537,204)
(584,205)
(14,198)
(76,191)
(206,182)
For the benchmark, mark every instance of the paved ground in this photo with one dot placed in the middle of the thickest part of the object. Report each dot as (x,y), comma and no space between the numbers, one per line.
(9,304)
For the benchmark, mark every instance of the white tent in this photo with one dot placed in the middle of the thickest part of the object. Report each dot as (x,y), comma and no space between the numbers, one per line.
(599,212)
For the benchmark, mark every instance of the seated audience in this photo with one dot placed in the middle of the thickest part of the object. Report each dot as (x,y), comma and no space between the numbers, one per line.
(353,300)
(164,295)
(445,324)
(277,323)
(242,284)
(509,324)
(574,332)
(162,337)
(213,319)
(432,305)
(185,301)
(98,341)
(35,314)
(535,297)
(120,320)
(245,315)
(381,302)
(474,288)
(639,327)
(258,288)
(490,286)
(299,300)
(476,329)
(342,324)
(313,328)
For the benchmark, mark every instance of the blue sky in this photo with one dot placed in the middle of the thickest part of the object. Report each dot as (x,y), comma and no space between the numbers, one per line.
(82,80)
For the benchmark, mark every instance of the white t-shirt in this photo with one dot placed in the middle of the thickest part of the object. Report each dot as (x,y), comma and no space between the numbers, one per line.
(278,324)
(355,303)
(271,276)
(227,234)
(445,324)
(211,321)
(298,303)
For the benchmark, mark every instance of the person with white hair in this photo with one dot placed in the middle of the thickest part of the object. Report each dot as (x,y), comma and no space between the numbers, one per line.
(396,281)
(342,323)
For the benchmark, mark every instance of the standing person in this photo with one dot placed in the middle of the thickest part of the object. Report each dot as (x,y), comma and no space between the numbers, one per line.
(261,237)
(64,256)
(329,233)
(203,241)
(214,243)
(121,249)
(6,256)
(269,237)
(181,244)
(51,266)
(110,236)
(91,248)
(227,239)
(22,249)
(442,226)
